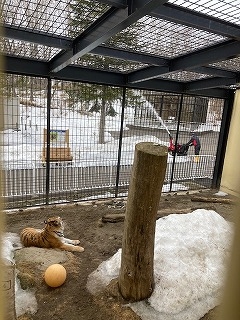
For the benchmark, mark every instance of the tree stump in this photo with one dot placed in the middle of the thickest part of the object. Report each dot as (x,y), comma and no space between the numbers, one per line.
(136,280)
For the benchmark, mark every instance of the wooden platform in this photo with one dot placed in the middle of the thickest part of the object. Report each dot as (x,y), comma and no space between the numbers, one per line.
(57,154)
(59,146)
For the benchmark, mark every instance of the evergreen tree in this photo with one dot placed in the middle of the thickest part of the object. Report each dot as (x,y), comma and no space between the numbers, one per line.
(99,98)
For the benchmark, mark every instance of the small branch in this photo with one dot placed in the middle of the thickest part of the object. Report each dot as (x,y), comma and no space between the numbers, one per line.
(114,217)
(212,199)
(119,217)
(165,212)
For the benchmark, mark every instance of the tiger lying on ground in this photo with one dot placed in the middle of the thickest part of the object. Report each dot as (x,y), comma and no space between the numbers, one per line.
(50,237)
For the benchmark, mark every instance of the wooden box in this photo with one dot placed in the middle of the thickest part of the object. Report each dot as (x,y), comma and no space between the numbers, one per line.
(58,154)
(59,146)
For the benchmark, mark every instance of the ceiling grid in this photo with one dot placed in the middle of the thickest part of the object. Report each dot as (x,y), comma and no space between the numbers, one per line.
(181,46)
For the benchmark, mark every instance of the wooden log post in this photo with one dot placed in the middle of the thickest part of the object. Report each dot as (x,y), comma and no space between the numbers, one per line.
(136,273)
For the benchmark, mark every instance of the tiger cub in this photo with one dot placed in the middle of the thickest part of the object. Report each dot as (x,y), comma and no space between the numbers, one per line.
(51,236)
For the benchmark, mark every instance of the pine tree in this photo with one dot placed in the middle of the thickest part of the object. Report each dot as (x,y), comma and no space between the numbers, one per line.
(100,98)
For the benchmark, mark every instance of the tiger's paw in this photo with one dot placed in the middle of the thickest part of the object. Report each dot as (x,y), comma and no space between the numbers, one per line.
(80,249)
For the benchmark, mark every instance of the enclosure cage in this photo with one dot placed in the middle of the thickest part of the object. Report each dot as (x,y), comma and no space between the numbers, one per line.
(70,141)
(85,81)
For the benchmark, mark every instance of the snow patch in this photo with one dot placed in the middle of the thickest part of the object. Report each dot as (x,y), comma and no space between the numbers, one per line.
(25,300)
(191,251)
(221,194)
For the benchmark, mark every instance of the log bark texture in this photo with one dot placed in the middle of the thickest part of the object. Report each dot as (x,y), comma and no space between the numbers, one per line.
(120,217)
(213,200)
(113,217)
(136,272)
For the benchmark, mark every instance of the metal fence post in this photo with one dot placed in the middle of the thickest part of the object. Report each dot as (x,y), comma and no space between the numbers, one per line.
(176,141)
(222,141)
(49,88)
(120,141)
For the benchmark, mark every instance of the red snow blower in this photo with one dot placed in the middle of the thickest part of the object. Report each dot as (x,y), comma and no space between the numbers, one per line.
(178,149)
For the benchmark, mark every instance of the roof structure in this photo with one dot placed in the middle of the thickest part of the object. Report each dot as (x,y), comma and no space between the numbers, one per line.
(180,46)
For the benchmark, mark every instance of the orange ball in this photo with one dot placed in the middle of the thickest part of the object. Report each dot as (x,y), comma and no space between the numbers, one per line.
(55,275)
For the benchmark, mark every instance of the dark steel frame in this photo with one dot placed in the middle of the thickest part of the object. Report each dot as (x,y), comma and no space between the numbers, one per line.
(121,15)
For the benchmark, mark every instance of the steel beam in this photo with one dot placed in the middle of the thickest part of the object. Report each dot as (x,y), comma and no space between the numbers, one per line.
(197,20)
(216,53)
(190,61)
(158,85)
(189,18)
(91,38)
(80,74)
(115,3)
(30,67)
(210,83)
(47,39)
(178,87)
(72,73)
(25,66)
(65,43)
(43,38)
(219,93)
(130,56)
(147,74)
(112,22)
(214,72)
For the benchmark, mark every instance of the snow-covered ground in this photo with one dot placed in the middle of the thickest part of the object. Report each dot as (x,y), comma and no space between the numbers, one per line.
(25,146)
(190,250)
(189,253)
(25,300)
(190,257)
(23,149)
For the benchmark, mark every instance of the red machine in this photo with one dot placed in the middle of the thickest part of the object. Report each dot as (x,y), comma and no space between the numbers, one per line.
(179,149)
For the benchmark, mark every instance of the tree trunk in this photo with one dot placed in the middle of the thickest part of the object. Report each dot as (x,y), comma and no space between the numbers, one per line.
(136,273)
(102,117)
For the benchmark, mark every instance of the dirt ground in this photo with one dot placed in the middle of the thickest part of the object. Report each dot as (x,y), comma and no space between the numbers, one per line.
(83,221)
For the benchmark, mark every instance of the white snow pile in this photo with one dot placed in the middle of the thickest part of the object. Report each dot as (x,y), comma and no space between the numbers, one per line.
(25,300)
(191,251)
(221,194)
(10,242)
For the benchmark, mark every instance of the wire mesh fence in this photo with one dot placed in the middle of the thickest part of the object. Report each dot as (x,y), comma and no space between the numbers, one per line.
(66,141)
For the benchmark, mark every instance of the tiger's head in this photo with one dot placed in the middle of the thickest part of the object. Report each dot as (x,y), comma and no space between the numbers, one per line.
(55,224)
